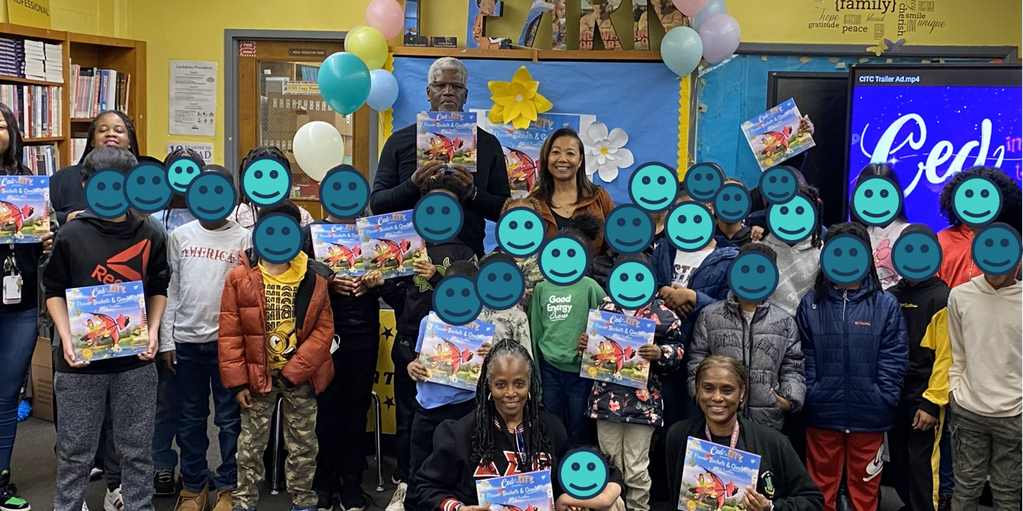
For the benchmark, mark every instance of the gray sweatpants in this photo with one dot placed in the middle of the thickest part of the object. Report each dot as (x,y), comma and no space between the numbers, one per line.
(983,446)
(81,403)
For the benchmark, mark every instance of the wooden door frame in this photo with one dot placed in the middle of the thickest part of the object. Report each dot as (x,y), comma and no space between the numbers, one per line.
(232,37)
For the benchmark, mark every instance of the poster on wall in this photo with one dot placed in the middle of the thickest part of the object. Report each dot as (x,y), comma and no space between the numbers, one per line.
(193,97)
(204,150)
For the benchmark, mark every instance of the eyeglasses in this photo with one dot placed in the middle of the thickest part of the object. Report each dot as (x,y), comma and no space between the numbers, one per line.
(457,87)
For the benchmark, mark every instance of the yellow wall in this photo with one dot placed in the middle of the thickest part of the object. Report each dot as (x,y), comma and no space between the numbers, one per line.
(99,17)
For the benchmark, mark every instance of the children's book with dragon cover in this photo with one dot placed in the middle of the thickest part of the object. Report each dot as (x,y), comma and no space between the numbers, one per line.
(108,321)
(612,352)
(715,477)
(774,135)
(390,244)
(339,247)
(24,208)
(531,491)
(522,147)
(448,137)
(449,352)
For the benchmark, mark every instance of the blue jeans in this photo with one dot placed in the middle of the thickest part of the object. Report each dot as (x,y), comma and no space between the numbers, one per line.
(198,372)
(168,414)
(564,396)
(18,332)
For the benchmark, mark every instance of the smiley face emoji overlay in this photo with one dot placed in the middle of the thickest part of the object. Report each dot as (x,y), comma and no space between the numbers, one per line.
(181,171)
(996,249)
(520,232)
(876,201)
(500,284)
(792,221)
(455,300)
(690,226)
(583,473)
(917,255)
(438,217)
(266,181)
(778,184)
(631,284)
(277,238)
(628,229)
(147,188)
(105,195)
(344,192)
(563,260)
(653,187)
(977,201)
(845,259)
(753,276)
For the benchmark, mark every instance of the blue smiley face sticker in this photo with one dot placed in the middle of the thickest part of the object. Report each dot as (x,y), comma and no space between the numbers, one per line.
(211,197)
(977,201)
(147,188)
(996,249)
(690,226)
(653,187)
(876,201)
(917,255)
(732,204)
(438,217)
(778,184)
(583,473)
(703,181)
(277,238)
(563,260)
(500,284)
(752,276)
(344,192)
(792,221)
(520,232)
(455,300)
(631,284)
(845,259)
(628,229)
(181,171)
(104,194)
(266,182)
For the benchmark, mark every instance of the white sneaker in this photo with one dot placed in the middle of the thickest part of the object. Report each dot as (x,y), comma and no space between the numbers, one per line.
(398,499)
(85,507)
(113,502)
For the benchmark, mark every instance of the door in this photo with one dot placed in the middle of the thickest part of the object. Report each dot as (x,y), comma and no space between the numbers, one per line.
(278,93)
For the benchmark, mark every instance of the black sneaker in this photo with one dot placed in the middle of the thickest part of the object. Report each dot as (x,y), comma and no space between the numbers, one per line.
(352,498)
(163,483)
(324,500)
(9,499)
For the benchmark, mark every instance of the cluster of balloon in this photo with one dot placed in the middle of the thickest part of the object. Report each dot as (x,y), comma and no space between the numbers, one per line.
(348,80)
(713,35)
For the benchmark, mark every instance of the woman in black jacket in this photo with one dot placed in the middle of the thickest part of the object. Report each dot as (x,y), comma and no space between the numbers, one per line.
(508,435)
(783,483)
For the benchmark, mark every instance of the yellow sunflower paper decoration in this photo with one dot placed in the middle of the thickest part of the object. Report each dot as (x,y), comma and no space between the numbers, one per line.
(517,102)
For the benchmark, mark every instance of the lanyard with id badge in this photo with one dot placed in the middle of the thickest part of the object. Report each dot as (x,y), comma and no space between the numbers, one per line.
(12,280)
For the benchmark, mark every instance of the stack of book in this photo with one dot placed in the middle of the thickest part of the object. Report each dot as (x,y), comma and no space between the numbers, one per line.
(42,159)
(35,60)
(54,65)
(78,149)
(94,91)
(12,58)
(38,108)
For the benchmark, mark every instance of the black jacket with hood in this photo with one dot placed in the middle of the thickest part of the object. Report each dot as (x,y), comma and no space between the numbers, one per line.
(919,304)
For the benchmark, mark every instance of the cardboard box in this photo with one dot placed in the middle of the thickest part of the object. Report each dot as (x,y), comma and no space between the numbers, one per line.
(42,380)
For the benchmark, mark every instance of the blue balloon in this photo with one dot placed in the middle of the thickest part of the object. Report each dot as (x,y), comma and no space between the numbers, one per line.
(682,50)
(383,91)
(344,82)
(713,7)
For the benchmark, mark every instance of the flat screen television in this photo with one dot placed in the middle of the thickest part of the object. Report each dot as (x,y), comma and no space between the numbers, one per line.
(930,121)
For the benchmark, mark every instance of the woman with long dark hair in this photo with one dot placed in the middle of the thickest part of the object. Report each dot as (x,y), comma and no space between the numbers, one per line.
(563,189)
(883,238)
(507,433)
(18,313)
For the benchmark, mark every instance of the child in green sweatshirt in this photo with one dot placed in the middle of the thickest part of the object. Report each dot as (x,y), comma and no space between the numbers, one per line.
(557,317)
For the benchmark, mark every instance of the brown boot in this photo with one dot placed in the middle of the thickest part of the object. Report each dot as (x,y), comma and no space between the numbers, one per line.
(188,501)
(223,501)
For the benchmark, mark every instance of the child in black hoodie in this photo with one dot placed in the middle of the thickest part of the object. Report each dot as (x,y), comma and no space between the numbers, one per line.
(91,251)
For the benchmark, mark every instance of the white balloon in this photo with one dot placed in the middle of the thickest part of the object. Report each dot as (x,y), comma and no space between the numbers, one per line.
(318,148)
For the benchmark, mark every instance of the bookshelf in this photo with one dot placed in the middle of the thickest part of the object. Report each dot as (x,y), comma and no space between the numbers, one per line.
(125,56)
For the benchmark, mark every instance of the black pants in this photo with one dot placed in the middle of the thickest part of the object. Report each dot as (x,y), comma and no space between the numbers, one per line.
(402,352)
(341,414)
(914,459)
(423,426)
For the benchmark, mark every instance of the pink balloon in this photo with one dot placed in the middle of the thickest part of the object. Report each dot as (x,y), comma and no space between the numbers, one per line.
(689,7)
(386,16)
(720,34)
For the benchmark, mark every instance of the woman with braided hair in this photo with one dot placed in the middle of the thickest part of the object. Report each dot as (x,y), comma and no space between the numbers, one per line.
(507,434)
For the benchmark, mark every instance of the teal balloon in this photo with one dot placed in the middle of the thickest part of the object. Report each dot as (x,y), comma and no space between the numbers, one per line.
(713,7)
(344,82)
(681,50)
(383,91)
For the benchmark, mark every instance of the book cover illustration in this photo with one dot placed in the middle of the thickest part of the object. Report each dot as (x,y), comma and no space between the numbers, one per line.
(532,24)
(390,244)
(449,352)
(24,208)
(449,137)
(476,22)
(531,491)
(559,25)
(339,247)
(595,16)
(715,476)
(522,147)
(612,352)
(774,135)
(108,321)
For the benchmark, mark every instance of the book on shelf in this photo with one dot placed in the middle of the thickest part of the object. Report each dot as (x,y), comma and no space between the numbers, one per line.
(31,59)
(54,64)
(78,149)
(44,160)
(37,108)
(95,90)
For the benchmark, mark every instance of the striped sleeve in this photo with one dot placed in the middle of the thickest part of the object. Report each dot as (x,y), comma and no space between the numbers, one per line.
(450,505)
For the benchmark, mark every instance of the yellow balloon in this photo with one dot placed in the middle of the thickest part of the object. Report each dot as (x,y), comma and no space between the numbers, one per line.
(368,44)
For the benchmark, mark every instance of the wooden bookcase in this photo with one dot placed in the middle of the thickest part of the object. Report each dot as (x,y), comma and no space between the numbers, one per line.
(122,55)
